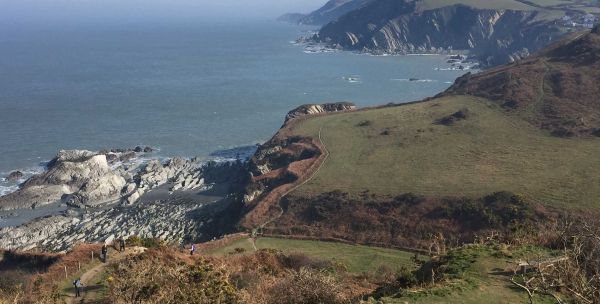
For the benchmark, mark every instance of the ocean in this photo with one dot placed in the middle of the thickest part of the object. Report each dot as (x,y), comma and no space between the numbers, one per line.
(187,90)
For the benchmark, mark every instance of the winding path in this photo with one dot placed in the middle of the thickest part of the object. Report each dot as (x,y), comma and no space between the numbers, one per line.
(313,174)
(89,291)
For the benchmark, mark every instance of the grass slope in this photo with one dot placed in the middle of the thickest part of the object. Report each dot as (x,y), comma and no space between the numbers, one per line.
(486,279)
(356,258)
(401,149)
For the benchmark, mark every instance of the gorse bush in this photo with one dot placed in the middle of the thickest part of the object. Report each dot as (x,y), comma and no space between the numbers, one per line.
(162,277)
(307,286)
(145,242)
(497,210)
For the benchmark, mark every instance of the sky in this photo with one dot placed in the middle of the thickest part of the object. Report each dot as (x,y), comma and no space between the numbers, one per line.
(48,12)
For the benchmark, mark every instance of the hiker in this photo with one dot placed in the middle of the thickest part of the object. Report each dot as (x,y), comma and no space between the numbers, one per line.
(193,249)
(77,283)
(104,253)
(122,244)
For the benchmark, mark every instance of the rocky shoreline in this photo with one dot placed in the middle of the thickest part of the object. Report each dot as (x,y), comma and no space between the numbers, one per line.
(86,196)
(108,194)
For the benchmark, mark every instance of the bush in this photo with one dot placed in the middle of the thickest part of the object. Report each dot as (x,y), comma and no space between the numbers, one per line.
(307,286)
(162,277)
(145,242)
(497,210)
(238,250)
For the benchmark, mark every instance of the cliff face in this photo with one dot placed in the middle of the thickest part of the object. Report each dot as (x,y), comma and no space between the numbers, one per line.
(392,26)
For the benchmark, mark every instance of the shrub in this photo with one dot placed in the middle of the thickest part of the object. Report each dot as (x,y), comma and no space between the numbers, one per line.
(145,242)
(162,277)
(498,210)
(406,278)
(307,286)
(238,250)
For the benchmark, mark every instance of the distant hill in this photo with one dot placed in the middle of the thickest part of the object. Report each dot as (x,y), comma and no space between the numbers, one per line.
(557,90)
(329,12)
(291,17)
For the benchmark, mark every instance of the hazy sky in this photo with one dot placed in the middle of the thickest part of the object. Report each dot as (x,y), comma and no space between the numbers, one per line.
(57,11)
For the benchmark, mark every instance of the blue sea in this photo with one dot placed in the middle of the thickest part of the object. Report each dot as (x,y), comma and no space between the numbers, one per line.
(187,90)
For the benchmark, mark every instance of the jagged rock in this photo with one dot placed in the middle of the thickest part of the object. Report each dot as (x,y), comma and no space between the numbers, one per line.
(81,180)
(84,173)
(112,157)
(312,109)
(15,176)
(127,156)
(73,200)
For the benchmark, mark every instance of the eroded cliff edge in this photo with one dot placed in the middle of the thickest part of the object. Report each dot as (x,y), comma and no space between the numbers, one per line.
(282,163)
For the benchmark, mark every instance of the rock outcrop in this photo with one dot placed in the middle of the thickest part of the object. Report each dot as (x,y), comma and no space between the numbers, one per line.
(172,201)
(14,176)
(82,178)
(494,36)
(312,109)
(83,174)
(173,221)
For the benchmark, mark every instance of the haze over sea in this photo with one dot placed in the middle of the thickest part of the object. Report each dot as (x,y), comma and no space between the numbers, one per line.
(186,89)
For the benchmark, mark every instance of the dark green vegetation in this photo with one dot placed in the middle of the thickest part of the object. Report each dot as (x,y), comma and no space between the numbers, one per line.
(472,274)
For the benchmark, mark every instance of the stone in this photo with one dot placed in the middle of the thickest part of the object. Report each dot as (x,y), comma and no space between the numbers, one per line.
(14,176)
(112,157)
(127,156)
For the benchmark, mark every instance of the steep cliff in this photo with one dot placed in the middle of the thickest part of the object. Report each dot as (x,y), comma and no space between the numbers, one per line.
(494,36)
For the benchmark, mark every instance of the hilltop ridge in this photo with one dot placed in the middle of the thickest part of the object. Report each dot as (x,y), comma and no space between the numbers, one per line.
(556,89)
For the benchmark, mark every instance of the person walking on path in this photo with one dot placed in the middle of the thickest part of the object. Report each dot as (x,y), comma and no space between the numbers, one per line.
(104,253)
(121,244)
(77,283)
(193,249)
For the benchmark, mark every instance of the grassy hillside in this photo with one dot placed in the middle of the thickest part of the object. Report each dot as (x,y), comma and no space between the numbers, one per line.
(484,278)
(356,258)
(404,149)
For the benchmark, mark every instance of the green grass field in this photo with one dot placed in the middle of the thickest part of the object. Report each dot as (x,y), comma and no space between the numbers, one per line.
(356,258)
(401,149)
